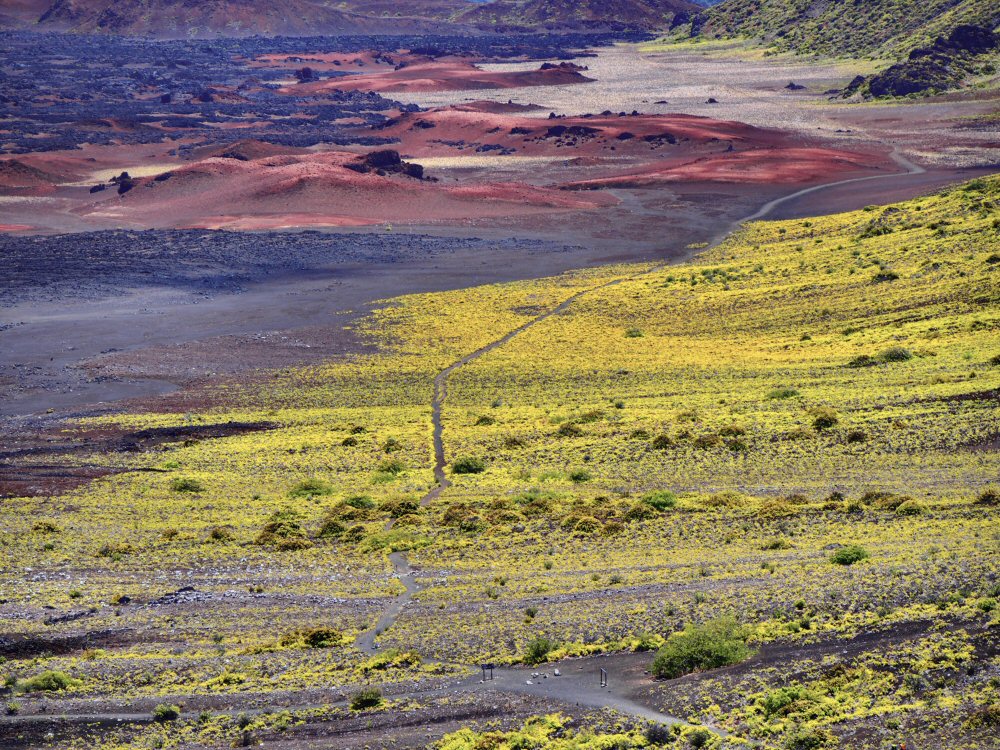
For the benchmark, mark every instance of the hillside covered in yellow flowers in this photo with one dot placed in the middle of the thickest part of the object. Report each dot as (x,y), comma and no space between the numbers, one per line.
(796,431)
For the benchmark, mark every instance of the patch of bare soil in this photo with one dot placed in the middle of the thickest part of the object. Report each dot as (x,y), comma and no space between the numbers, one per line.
(26,458)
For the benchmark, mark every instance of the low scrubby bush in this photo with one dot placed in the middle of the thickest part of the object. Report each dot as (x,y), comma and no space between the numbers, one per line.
(284,531)
(468,465)
(716,643)
(824,418)
(810,739)
(52,681)
(311,488)
(164,713)
(538,650)
(663,443)
(895,354)
(661,500)
(990,496)
(366,698)
(392,467)
(910,508)
(569,429)
(186,484)
(782,393)
(849,555)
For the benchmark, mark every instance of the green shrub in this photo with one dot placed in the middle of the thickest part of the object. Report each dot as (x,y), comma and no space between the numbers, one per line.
(221,534)
(361,502)
(332,528)
(115,550)
(780,701)
(579,476)
(724,499)
(311,488)
(824,418)
(717,643)
(164,713)
(392,466)
(587,525)
(633,333)
(663,443)
(186,484)
(661,499)
(849,555)
(468,465)
(990,496)
(640,512)
(985,717)
(910,508)
(569,429)
(658,734)
(318,637)
(400,507)
(782,393)
(776,544)
(51,682)
(538,650)
(709,440)
(485,421)
(810,739)
(863,360)
(698,737)
(284,531)
(895,354)
(369,697)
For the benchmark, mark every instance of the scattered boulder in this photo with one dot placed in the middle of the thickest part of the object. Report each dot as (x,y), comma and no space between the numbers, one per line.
(568,66)
(385,162)
(793,86)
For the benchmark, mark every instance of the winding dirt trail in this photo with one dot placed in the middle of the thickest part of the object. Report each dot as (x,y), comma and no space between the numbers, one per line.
(512,679)
(581,685)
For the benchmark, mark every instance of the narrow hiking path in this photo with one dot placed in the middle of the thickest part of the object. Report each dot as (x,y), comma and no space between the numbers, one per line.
(442,482)
(556,687)
(579,686)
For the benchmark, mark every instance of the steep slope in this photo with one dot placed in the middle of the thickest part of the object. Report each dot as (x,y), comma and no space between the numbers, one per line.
(583,14)
(849,27)
(201,18)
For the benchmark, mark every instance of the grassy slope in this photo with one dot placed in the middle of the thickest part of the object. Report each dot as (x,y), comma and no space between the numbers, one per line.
(879,28)
(728,357)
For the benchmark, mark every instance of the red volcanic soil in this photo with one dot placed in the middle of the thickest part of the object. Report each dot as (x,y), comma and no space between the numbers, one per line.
(346,62)
(449,75)
(458,127)
(316,190)
(246,150)
(19,177)
(767,165)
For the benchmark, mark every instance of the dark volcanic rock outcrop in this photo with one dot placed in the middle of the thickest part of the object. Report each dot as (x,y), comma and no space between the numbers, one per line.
(940,66)
(386,161)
